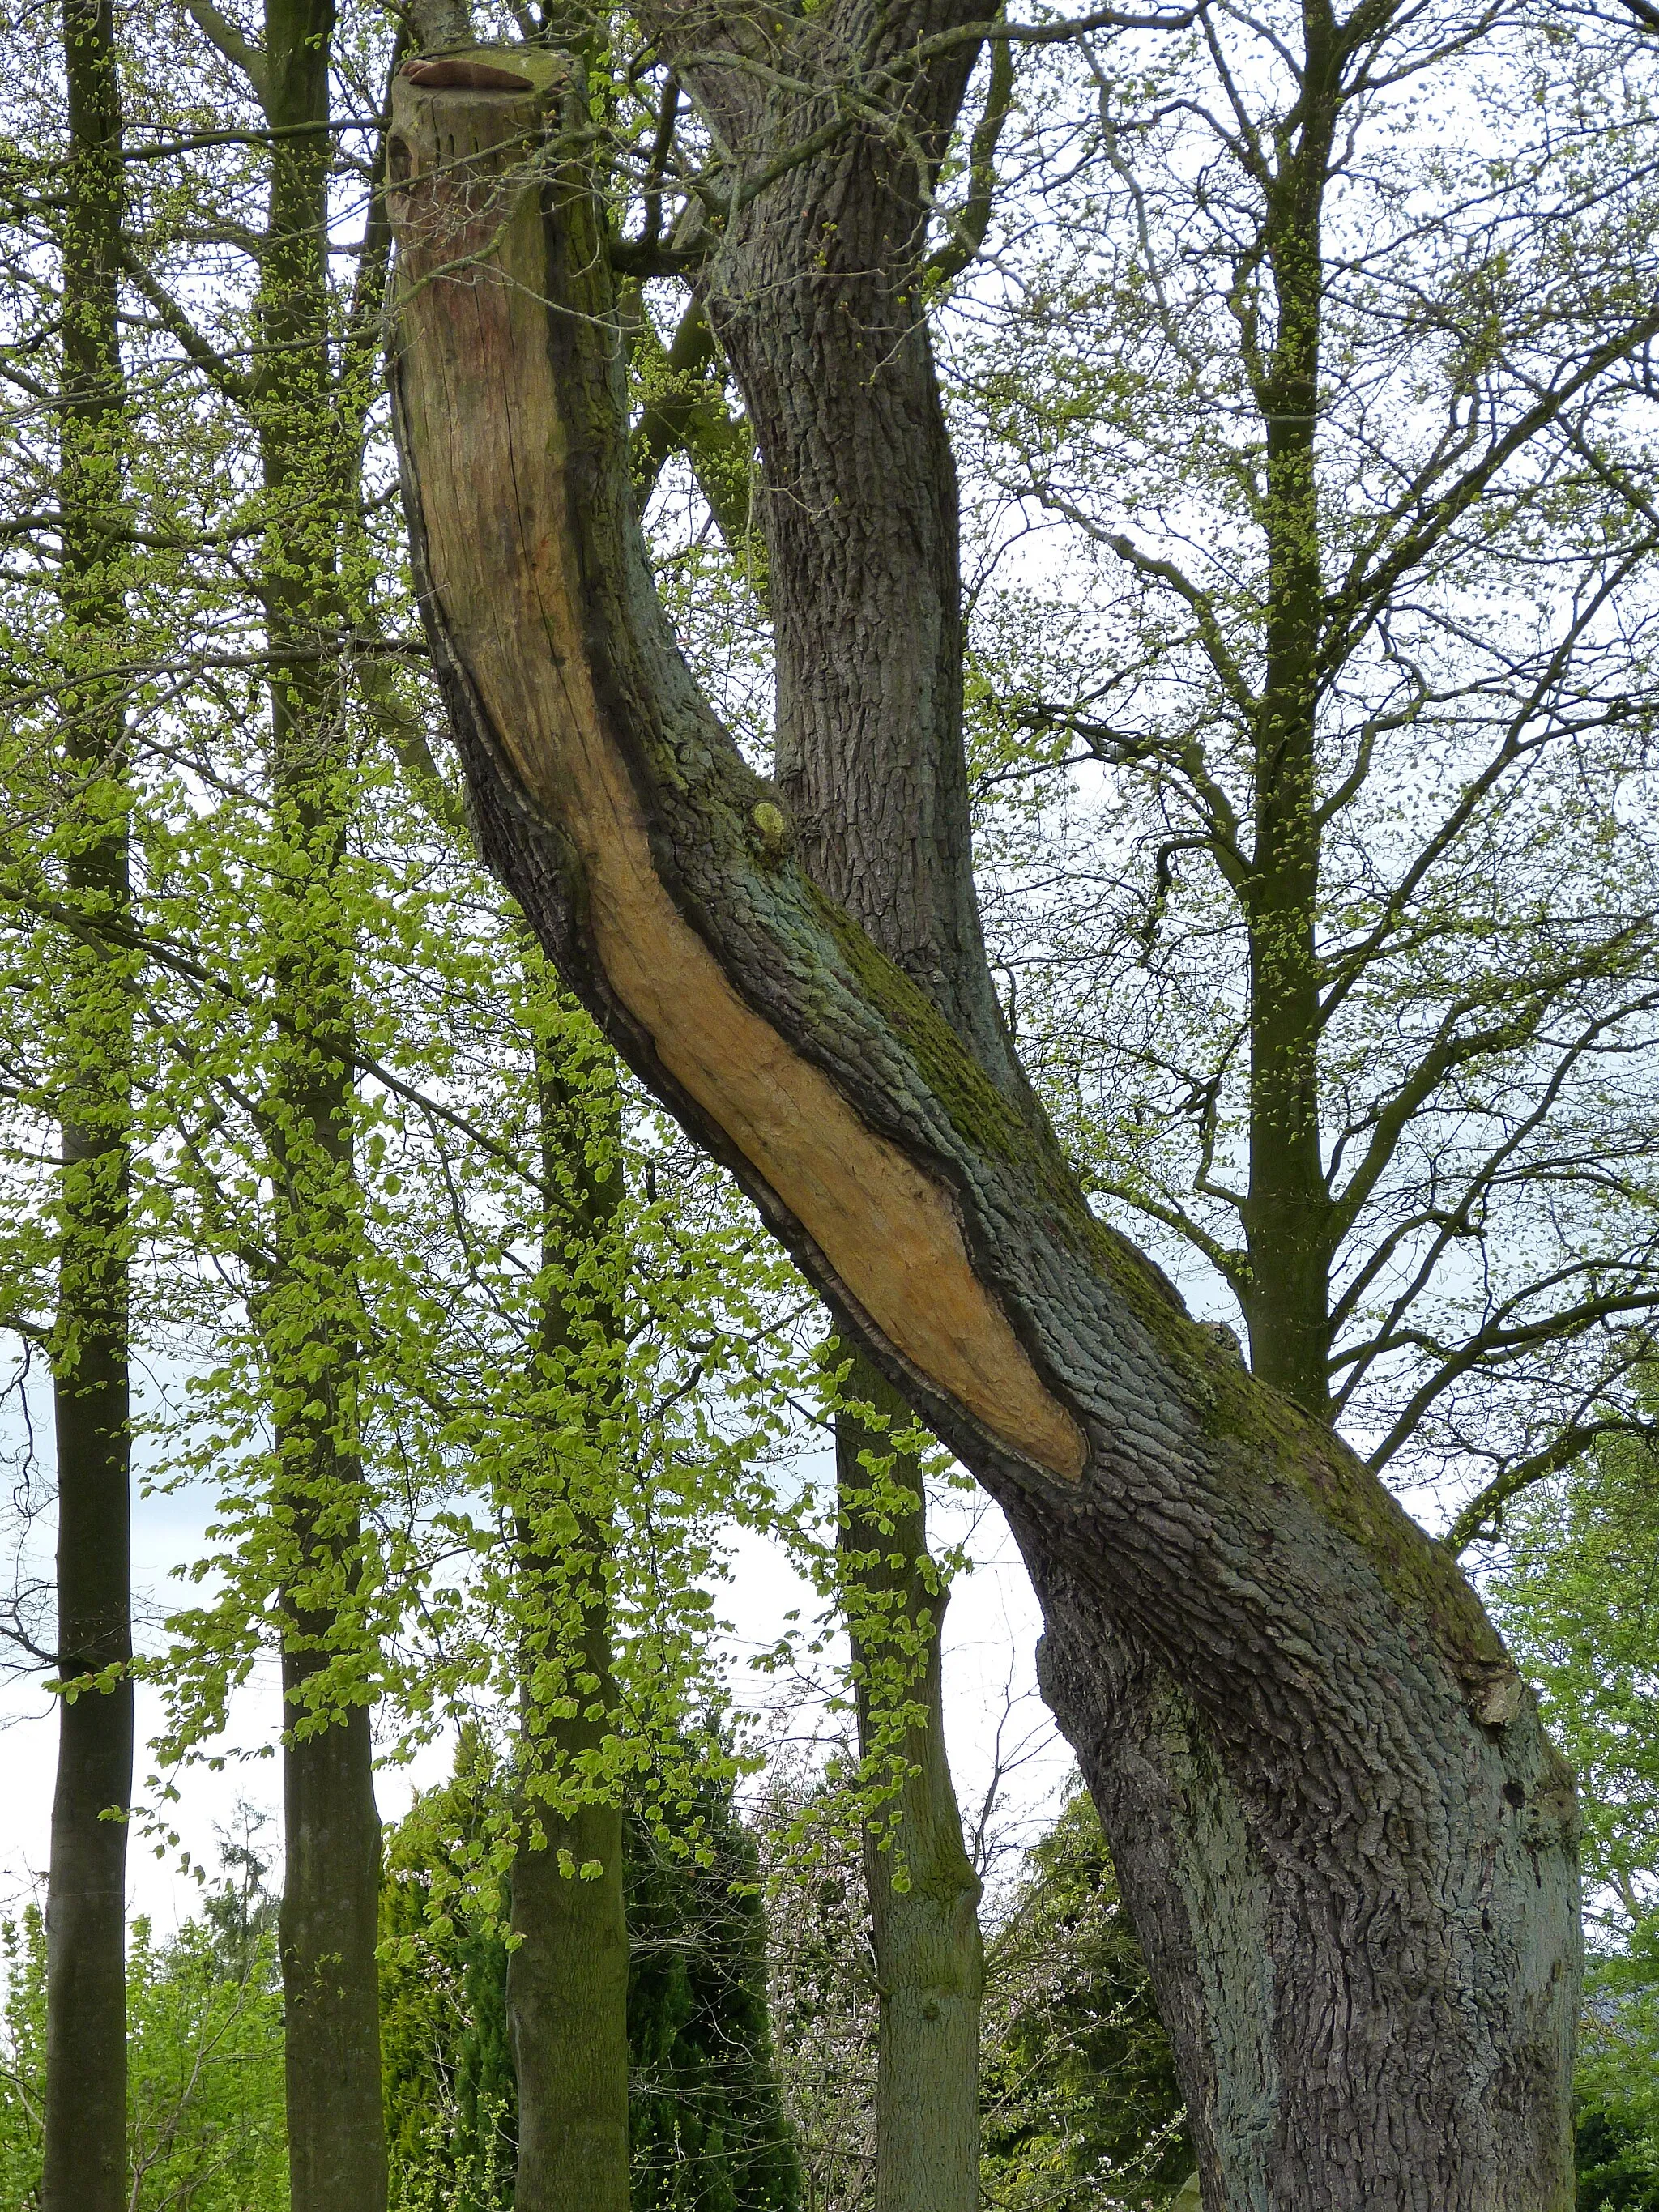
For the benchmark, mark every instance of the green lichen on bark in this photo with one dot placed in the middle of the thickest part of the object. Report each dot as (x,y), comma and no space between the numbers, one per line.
(1268,1440)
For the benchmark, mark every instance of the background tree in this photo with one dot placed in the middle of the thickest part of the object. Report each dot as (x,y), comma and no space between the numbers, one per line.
(451,2106)
(85,2097)
(204,2126)
(1335,963)
(822,1983)
(706,2119)
(1575,1593)
(1082,2103)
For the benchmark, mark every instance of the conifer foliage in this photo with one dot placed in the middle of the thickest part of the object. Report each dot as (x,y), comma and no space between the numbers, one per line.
(706,2118)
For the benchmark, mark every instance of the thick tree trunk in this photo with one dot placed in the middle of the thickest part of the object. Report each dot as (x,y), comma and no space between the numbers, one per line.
(329,1922)
(930,1961)
(1349,1845)
(566,1983)
(85,2161)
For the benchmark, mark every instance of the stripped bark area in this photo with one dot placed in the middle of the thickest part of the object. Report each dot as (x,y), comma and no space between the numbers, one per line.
(889,1230)
(1346,1842)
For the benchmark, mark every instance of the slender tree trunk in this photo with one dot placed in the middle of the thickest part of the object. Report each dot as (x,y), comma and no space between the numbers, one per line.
(1348,1845)
(85,2165)
(930,1959)
(566,1983)
(567,1993)
(328,1928)
(1288,1214)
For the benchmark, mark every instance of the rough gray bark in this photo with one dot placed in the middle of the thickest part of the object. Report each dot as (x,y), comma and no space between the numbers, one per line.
(1348,1845)
(85,2150)
(859,507)
(930,1959)
(858,504)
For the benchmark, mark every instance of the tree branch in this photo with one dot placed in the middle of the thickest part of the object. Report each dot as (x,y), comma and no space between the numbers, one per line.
(221,34)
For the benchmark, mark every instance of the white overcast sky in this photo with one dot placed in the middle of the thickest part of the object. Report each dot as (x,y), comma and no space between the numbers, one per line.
(992,1627)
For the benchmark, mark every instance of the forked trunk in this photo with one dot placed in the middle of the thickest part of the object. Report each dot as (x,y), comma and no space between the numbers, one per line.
(1349,1848)
(85,2152)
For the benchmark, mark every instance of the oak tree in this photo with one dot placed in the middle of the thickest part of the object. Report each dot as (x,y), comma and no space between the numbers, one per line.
(1327,1792)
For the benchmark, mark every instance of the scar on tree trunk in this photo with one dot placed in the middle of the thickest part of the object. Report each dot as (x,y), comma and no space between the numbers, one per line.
(1347,1845)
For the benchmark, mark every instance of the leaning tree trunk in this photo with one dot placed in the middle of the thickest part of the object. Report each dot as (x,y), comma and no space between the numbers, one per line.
(925,1932)
(1348,1845)
(85,2152)
(567,1982)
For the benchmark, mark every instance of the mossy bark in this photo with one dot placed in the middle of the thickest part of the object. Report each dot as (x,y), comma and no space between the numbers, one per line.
(85,2149)
(1347,1845)
(923,1891)
(567,1982)
(1289,1219)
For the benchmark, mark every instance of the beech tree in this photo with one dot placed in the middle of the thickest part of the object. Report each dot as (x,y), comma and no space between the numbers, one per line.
(1344,1838)
(923,1886)
(85,2149)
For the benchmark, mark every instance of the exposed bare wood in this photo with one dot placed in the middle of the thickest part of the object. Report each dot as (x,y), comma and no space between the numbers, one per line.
(483,387)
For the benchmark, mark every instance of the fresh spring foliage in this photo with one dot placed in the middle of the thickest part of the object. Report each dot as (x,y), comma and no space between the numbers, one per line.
(1579,1602)
(206,2120)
